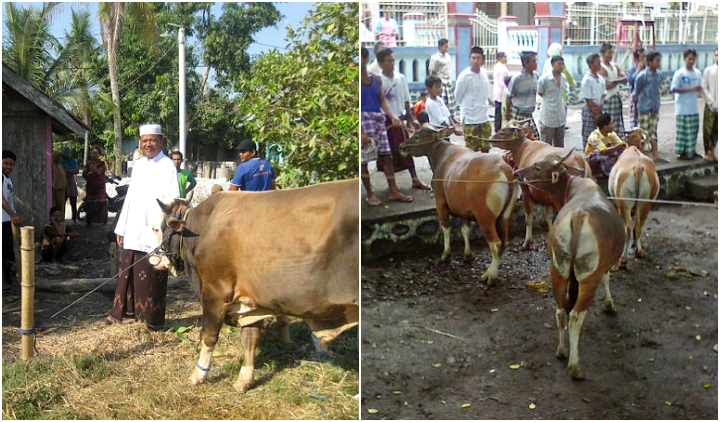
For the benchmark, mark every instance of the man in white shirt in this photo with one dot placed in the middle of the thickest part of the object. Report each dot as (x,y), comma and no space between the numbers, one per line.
(553,114)
(710,115)
(472,92)
(592,91)
(440,66)
(500,71)
(140,290)
(9,217)
(397,94)
(613,76)
(374,67)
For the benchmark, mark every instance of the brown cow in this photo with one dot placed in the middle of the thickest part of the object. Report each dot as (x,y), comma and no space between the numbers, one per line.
(254,255)
(633,176)
(470,185)
(526,152)
(585,241)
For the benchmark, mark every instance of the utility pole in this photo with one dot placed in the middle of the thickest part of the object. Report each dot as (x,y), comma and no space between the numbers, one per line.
(181,53)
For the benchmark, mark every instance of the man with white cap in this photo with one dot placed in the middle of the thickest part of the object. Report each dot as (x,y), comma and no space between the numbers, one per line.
(140,290)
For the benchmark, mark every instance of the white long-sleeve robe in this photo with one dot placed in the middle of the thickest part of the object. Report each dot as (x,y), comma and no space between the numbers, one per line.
(152,179)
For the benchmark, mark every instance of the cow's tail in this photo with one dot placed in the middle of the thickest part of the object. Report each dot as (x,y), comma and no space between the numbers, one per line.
(507,211)
(639,170)
(572,286)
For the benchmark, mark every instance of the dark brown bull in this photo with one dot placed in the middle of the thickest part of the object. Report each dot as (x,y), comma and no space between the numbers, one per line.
(584,242)
(526,152)
(470,185)
(254,255)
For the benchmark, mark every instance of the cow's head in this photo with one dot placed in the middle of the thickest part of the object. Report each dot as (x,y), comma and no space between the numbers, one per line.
(639,139)
(171,231)
(511,135)
(423,141)
(545,172)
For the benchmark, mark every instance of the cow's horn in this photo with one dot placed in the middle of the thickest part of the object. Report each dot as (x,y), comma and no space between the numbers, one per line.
(566,156)
(189,196)
(166,208)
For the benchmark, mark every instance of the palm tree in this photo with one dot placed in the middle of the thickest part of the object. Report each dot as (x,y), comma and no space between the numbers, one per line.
(112,19)
(28,43)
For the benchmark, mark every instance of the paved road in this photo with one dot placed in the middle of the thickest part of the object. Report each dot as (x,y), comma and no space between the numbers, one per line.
(666,136)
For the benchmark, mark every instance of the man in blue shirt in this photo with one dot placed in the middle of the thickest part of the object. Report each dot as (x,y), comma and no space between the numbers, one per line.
(253,173)
(687,86)
(646,95)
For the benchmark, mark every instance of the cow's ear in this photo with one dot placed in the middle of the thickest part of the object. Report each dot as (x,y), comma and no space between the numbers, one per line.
(166,208)
(175,225)
(188,233)
(555,176)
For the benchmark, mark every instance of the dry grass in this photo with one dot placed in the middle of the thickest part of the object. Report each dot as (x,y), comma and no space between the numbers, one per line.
(127,372)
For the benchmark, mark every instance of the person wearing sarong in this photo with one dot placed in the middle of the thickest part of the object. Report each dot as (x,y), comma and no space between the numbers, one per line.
(646,95)
(59,183)
(397,94)
(613,77)
(710,115)
(640,62)
(473,94)
(141,287)
(592,91)
(95,202)
(687,86)
(603,146)
(522,91)
(71,167)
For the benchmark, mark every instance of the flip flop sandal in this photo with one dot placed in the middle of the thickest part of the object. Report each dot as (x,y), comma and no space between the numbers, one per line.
(373,204)
(403,198)
(104,323)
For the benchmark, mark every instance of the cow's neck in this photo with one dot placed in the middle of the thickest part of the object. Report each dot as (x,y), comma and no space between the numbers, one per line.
(438,151)
(518,149)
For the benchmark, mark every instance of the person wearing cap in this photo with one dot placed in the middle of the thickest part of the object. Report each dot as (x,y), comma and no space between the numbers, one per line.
(141,287)
(253,173)
(185,176)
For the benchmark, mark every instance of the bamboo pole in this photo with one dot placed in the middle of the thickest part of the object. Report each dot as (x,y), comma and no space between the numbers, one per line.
(27,319)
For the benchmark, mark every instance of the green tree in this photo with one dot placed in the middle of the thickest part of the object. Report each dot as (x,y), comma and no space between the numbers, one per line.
(305,100)
(112,16)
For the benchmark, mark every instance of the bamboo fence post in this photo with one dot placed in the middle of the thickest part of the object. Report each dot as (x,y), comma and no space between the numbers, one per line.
(27,319)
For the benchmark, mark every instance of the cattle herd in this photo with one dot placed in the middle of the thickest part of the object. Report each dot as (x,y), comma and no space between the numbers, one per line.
(589,236)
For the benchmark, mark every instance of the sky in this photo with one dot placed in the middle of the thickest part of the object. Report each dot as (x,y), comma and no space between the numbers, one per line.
(293,14)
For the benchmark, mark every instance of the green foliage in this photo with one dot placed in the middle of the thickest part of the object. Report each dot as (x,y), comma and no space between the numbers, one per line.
(305,100)
(92,367)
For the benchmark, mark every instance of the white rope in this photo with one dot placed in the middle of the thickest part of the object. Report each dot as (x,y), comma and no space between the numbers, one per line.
(664,201)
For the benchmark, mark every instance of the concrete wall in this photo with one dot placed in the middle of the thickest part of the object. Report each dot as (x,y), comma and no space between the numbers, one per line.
(24,131)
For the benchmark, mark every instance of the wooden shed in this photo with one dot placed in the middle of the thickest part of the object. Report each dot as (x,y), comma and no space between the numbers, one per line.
(29,118)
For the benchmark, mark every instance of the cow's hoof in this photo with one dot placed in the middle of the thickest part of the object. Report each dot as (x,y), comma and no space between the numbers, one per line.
(444,256)
(609,308)
(526,245)
(640,253)
(488,278)
(196,380)
(576,373)
(561,353)
(468,257)
(242,387)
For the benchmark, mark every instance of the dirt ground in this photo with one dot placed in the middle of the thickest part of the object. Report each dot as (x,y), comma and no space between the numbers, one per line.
(438,344)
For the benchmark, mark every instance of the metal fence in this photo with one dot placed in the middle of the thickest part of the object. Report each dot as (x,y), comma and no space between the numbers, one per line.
(596,24)
(485,35)
(420,24)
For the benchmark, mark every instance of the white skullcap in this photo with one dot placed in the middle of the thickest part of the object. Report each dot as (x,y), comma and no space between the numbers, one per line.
(150,130)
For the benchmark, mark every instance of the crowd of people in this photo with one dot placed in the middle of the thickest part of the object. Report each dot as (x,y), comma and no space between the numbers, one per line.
(385,104)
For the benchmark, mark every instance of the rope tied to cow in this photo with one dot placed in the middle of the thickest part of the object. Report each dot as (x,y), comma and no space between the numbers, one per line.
(39,325)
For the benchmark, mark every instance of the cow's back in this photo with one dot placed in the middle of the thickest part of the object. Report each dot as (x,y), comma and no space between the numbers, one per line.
(293,251)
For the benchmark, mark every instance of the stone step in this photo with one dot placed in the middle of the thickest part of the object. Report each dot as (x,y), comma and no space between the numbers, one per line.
(702,188)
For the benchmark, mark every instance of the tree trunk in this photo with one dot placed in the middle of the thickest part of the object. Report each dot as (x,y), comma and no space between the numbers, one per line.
(117,122)
(87,135)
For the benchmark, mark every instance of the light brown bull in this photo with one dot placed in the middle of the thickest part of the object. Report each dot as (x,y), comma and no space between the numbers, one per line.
(584,242)
(470,185)
(633,176)
(526,152)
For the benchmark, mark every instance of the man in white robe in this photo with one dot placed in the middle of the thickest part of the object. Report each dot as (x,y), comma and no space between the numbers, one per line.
(140,291)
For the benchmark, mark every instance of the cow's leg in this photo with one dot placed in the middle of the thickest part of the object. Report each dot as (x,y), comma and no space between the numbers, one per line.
(640,216)
(549,215)
(444,217)
(486,221)
(627,219)
(466,231)
(561,318)
(608,305)
(575,325)
(528,207)
(212,322)
(249,337)
(283,323)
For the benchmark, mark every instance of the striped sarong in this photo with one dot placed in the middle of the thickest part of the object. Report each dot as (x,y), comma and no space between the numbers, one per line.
(710,129)
(686,128)
(448,94)
(373,124)
(632,120)
(396,137)
(613,107)
(516,114)
(588,124)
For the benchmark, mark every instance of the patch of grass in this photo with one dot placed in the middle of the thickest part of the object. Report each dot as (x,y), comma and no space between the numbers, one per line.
(92,367)
(25,394)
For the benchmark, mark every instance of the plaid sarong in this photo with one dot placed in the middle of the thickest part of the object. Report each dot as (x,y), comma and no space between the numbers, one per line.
(613,107)
(649,122)
(588,124)
(710,129)
(686,128)
(516,114)
(473,133)
(632,120)
(448,94)
(373,124)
